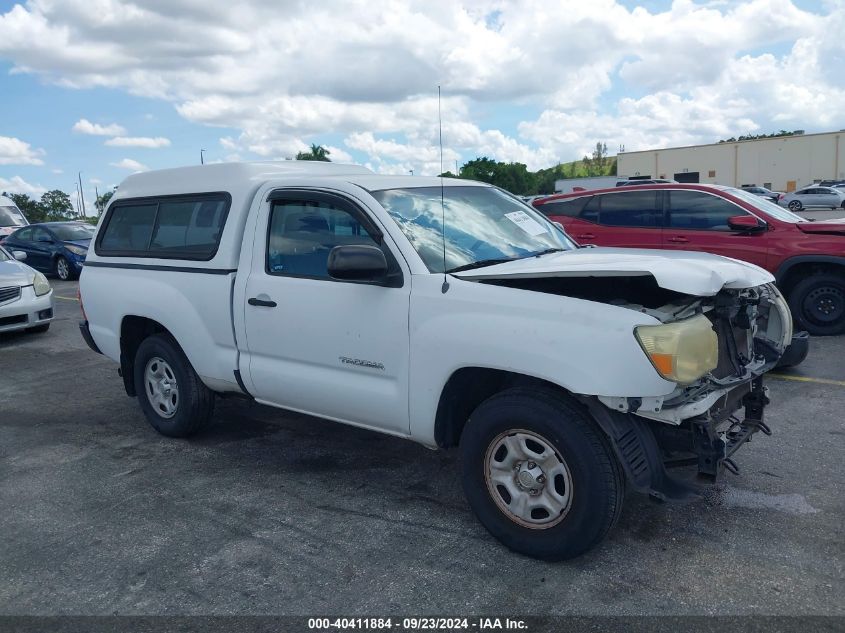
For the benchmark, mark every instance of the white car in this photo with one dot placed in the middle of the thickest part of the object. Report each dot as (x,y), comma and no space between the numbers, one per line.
(26,298)
(11,218)
(444,311)
(813,196)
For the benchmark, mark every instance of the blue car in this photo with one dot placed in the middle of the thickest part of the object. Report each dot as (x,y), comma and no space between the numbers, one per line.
(57,248)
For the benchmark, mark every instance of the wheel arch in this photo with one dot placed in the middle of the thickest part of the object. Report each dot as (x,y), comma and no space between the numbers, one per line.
(793,269)
(133,330)
(467,388)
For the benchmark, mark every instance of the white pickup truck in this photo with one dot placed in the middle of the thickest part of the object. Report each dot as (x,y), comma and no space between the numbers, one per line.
(443,311)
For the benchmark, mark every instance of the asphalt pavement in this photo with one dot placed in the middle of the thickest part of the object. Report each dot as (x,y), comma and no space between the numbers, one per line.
(270,512)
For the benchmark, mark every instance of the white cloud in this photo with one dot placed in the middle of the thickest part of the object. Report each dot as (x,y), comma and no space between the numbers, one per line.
(593,71)
(58,171)
(84,126)
(95,181)
(138,141)
(130,164)
(14,151)
(16,184)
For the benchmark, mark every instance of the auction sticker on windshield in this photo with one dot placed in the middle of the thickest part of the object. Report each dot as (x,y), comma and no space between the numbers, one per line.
(526,223)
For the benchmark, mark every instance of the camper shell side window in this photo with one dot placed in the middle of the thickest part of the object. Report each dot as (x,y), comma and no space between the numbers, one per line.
(165,227)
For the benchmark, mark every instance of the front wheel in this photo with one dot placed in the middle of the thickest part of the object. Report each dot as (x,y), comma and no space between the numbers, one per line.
(171,394)
(539,474)
(63,269)
(818,303)
(795,205)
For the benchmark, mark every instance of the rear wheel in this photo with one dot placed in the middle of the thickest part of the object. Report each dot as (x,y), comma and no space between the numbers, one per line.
(539,474)
(818,303)
(795,205)
(171,394)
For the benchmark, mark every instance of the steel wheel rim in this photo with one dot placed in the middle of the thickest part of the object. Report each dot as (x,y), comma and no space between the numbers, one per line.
(824,305)
(62,268)
(528,479)
(161,388)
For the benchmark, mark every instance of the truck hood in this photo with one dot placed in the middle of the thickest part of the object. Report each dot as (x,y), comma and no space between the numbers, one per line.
(692,273)
(835,227)
(15,273)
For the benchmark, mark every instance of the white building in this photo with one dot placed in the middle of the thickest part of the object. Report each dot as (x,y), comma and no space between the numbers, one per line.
(783,164)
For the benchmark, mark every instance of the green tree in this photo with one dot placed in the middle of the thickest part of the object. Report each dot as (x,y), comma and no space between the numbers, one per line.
(596,164)
(103,201)
(317,152)
(56,205)
(31,209)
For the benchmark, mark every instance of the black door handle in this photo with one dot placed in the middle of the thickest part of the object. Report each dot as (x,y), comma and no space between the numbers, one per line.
(254,301)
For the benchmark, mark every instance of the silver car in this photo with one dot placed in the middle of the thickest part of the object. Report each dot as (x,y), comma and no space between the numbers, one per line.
(26,298)
(813,196)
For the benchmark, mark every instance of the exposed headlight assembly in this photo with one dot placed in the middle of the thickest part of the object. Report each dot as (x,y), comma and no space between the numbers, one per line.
(682,351)
(77,250)
(40,284)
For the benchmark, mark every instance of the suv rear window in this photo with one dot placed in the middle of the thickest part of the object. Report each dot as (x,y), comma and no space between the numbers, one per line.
(171,227)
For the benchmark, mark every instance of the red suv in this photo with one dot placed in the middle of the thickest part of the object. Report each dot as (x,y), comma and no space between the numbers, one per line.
(807,258)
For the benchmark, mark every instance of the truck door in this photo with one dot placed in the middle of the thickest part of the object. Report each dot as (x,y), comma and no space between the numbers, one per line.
(336,349)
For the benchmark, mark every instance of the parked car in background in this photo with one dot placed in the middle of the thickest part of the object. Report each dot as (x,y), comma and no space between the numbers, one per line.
(807,258)
(11,218)
(813,196)
(26,299)
(56,248)
(774,196)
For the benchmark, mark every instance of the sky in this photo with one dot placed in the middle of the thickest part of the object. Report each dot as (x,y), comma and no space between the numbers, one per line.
(111,87)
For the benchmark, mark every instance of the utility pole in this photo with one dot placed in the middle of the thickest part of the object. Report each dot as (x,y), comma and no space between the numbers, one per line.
(457,171)
(76,186)
(81,195)
(202,160)
(97,200)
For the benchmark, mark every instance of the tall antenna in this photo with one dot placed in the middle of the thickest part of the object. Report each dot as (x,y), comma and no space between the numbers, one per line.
(445,287)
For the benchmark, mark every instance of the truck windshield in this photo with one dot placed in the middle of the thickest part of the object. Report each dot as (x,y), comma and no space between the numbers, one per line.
(484,225)
(11,216)
(766,206)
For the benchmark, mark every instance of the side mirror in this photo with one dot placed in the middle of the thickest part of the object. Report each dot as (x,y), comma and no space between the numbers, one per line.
(559,225)
(19,255)
(747,223)
(357,262)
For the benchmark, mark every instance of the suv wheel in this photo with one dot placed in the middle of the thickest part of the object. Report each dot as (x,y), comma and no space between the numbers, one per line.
(539,474)
(171,395)
(818,302)
(795,205)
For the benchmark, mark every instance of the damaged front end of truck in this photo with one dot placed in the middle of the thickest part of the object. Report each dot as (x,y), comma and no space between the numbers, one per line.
(714,341)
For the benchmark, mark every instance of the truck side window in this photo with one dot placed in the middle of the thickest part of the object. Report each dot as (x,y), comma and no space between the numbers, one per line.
(302,233)
(129,228)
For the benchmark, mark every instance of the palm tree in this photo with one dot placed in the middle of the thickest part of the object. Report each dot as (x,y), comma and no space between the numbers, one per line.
(317,152)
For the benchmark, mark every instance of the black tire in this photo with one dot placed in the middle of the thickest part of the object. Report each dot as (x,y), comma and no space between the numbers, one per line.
(597,480)
(795,205)
(39,329)
(195,406)
(818,304)
(63,269)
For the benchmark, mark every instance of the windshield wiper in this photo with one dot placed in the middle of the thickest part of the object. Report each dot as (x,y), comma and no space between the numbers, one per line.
(545,252)
(480,264)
